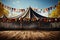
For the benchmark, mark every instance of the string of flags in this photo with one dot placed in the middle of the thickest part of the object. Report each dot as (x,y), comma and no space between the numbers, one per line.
(23,10)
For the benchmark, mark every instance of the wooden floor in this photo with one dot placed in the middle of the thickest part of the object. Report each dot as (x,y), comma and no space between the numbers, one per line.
(29,35)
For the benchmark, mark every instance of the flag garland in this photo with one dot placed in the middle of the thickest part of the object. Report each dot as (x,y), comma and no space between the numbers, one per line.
(22,10)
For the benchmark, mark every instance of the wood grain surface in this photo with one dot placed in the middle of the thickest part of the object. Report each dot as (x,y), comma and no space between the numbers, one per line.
(29,35)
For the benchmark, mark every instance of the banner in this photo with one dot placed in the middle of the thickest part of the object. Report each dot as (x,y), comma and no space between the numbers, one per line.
(35,9)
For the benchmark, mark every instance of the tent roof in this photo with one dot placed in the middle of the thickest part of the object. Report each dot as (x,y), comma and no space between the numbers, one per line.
(30,14)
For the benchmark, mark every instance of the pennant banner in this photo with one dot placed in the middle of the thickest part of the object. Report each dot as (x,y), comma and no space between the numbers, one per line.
(22,10)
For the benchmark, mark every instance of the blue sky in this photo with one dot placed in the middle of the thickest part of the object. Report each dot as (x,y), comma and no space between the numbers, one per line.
(26,3)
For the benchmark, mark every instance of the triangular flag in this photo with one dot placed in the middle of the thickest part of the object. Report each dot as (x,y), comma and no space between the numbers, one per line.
(54,7)
(22,10)
(43,11)
(8,7)
(5,6)
(50,8)
(46,9)
(2,5)
(14,9)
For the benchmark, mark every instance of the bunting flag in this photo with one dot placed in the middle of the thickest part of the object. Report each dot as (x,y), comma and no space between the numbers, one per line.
(54,6)
(35,9)
(5,6)
(14,9)
(8,7)
(0,3)
(46,9)
(22,10)
(41,9)
(50,8)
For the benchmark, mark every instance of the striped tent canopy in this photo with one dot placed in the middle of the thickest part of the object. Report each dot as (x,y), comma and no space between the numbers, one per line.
(31,15)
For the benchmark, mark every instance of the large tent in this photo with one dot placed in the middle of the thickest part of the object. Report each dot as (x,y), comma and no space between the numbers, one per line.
(31,15)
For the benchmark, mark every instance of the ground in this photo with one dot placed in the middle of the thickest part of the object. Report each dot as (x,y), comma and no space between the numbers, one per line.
(29,35)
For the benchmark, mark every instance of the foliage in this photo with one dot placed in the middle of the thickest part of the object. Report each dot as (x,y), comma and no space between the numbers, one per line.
(56,13)
(3,11)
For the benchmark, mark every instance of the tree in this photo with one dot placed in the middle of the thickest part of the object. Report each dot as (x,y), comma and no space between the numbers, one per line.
(56,13)
(3,11)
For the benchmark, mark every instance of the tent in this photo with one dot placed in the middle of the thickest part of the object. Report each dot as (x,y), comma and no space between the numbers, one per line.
(30,15)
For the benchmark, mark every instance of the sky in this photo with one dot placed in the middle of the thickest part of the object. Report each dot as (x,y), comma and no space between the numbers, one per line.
(26,3)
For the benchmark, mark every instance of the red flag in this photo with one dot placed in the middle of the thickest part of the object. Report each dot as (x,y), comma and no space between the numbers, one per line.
(21,10)
(14,9)
(46,9)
